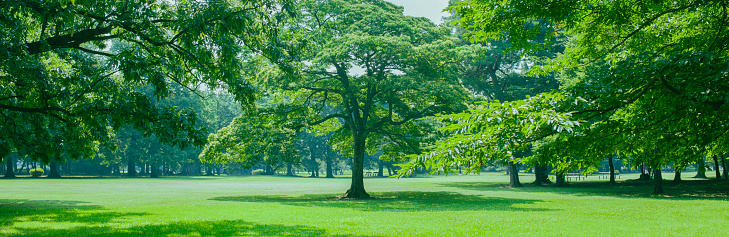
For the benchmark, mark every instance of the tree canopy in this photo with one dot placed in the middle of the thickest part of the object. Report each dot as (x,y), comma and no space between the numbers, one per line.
(645,78)
(70,70)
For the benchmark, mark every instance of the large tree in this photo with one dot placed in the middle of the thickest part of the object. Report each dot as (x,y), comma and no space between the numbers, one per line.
(69,70)
(377,70)
(645,78)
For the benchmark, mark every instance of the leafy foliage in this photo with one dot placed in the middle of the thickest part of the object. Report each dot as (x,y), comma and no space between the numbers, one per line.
(70,71)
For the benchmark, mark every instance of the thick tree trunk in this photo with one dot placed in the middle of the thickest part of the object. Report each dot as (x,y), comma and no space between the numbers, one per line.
(381,166)
(513,175)
(54,174)
(356,189)
(716,167)
(658,180)
(289,169)
(701,169)
(612,169)
(724,164)
(540,174)
(131,168)
(328,160)
(560,179)
(677,176)
(9,165)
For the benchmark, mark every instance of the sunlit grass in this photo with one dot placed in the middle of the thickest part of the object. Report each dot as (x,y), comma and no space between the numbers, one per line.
(473,205)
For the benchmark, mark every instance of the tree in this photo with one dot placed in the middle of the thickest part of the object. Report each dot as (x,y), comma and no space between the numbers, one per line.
(650,73)
(256,136)
(69,69)
(380,71)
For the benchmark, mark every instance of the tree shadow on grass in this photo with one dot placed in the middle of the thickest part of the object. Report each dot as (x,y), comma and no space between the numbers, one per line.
(398,202)
(686,190)
(14,210)
(224,228)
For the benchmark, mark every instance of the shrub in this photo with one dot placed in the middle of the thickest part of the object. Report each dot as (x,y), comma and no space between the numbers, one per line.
(37,172)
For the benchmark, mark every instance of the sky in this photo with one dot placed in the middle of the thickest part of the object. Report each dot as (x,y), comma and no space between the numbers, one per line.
(432,9)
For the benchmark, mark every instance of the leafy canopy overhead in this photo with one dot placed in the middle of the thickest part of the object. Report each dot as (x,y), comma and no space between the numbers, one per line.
(653,75)
(69,70)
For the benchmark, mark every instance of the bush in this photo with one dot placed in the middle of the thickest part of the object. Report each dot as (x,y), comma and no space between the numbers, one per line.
(37,172)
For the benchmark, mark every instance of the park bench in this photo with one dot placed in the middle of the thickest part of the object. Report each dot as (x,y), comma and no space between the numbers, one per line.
(576,176)
(606,175)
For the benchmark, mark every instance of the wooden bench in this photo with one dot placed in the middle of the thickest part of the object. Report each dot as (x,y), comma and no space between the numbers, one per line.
(577,176)
(606,175)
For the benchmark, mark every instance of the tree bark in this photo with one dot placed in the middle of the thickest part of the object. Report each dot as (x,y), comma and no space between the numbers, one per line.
(701,169)
(560,179)
(513,175)
(677,176)
(541,174)
(716,167)
(356,189)
(289,169)
(54,174)
(381,166)
(9,165)
(612,169)
(328,159)
(657,180)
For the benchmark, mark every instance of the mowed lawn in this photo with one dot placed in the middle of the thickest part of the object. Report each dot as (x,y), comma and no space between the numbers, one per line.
(472,205)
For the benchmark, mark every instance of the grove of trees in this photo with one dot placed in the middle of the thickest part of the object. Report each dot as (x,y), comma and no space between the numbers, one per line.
(190,86)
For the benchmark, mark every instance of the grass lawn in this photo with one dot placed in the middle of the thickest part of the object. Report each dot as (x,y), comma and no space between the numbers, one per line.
(473,205)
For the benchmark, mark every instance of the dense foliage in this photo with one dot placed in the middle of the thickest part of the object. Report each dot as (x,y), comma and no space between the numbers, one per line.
(652,75)
(70,71)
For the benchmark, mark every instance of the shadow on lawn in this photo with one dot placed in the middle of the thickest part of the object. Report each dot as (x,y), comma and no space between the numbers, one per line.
(398,202)
(13,210)
(91,220)
(688,189)
(184,228)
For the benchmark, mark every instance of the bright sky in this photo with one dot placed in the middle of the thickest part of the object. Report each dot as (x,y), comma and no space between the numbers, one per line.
(432,9)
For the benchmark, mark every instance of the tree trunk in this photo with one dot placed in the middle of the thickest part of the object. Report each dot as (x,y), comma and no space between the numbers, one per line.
(612,169)
(716,167)
(513,175)
(329,164)
(356,189)
(541,174)
(658,180)
(677,176)
(9,173)
(381,166)
(724,164)
(210,171)
(701,169)
(560,179)
(54,174)
(131,168)
(154,172)
(289,169)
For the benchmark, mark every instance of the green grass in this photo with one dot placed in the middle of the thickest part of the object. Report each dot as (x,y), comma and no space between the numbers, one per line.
(473,205)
